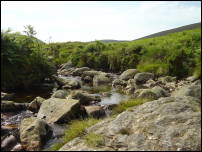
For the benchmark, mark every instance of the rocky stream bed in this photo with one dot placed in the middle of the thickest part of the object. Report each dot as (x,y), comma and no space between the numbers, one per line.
(35,121)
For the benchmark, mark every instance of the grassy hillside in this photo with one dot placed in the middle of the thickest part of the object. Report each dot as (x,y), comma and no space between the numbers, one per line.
(179,29)
(176,54)
(26,61)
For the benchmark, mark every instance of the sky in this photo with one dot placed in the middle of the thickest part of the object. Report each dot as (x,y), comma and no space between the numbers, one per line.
(62,21)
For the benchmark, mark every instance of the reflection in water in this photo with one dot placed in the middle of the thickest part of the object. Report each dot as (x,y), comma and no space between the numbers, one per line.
(115,98)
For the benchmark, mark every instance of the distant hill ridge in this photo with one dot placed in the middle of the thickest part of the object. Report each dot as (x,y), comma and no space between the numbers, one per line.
(162,33)
(179,29)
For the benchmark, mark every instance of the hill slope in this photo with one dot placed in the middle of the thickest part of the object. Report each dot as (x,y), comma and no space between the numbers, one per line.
(179,29)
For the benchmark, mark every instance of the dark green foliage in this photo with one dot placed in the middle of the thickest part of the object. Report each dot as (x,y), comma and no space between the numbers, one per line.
(23,62)
(175,54)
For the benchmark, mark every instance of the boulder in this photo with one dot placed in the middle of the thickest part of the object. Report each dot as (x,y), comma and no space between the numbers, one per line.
(72,84)
(10,106)
(101,79)
(167,79)
(84,97)
(35,104)
(95,111)
(59,110)
(62,94)
(87,79)
(79,71)
(7,96)
(192,78)
(33,133)
(17,147)
(153,93)
(119,83)
(128,74)
(141,78)
(8,143)
(189,90)
(91,73)
(166,124)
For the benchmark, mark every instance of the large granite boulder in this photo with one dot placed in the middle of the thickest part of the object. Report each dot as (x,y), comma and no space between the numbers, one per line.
(84,97)
(153,93)
(59,110)
(33,133)
(95,111)
(35,104)
(101,79)
(166,124)
(189,90)
(118,83)
(128,74)
(62,94)
(142,77)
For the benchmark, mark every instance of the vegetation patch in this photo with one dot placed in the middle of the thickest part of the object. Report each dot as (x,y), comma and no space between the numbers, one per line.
(75,128)
(124,105)
(94,140)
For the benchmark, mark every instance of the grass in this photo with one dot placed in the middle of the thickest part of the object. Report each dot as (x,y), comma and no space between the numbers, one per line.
(94,140)
(75,129)
(124,105)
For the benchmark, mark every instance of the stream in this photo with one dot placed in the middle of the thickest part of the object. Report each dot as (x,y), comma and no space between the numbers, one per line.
(12,119)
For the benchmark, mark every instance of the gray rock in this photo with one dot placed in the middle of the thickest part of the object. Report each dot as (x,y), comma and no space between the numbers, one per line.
(166,124)
(7,96)
(153,93)
(58,110)
(62,94)
(79,71)
(84,97)
(17,147)
(35,104)
(33,133)
(72,84)
(167,79)
(128,74)
(101,79)
(192,78)
(95,111)
(8,143)
(119,82)
(188,90)
(10,106)
(141,78)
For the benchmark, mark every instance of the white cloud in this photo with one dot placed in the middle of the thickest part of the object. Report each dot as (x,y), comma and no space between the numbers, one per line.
(86,21)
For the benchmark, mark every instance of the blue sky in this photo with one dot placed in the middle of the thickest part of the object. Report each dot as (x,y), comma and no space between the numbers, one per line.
(95,20)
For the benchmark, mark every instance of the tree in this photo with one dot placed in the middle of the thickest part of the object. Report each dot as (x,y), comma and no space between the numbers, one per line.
(29,31)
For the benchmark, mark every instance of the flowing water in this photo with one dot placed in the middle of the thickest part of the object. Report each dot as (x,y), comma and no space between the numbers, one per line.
(109,96)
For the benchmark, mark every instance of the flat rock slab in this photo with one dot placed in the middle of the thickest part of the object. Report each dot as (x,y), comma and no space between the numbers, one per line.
(58,110)
(166,124)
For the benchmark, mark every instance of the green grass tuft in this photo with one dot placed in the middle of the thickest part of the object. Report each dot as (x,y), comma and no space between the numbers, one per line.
(124,105)
(94,140)
(75,129)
